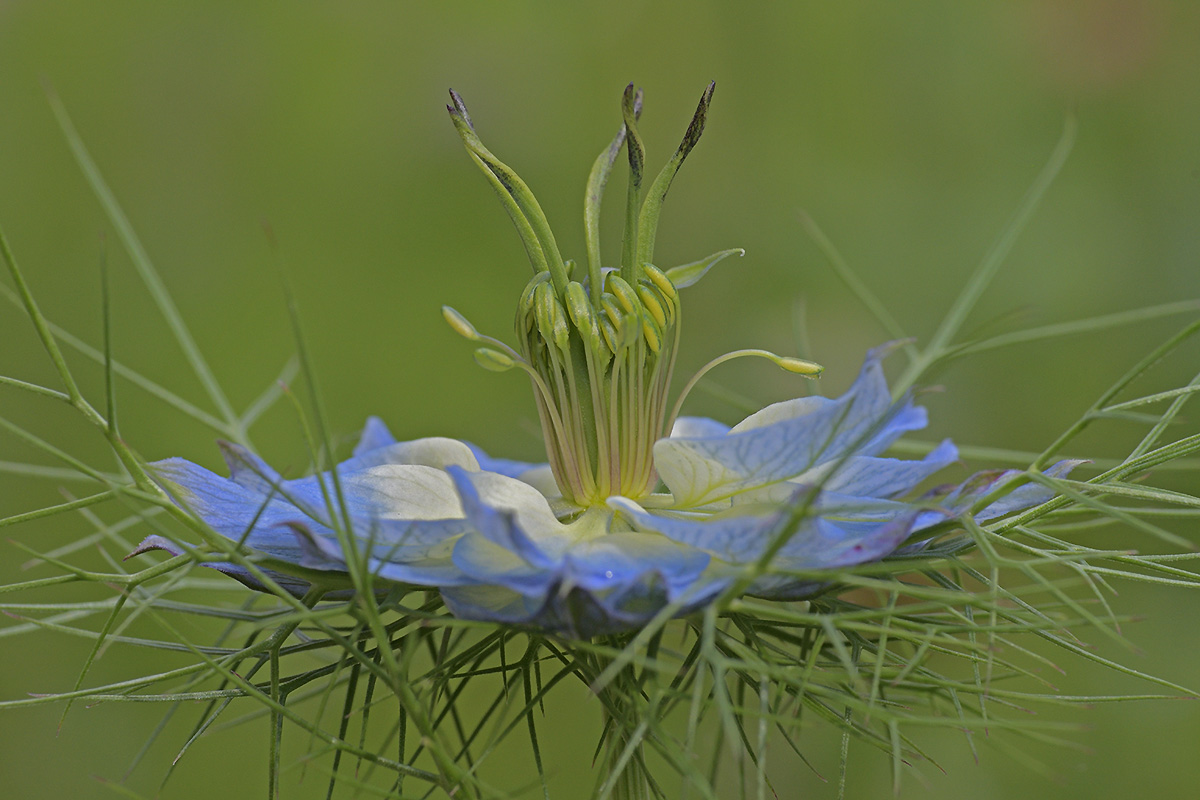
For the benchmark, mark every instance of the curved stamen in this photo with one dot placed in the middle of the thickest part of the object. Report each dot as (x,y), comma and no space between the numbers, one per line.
(798,366)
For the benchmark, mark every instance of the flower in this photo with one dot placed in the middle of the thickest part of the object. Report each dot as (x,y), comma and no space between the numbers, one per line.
(440,513)
(637,512)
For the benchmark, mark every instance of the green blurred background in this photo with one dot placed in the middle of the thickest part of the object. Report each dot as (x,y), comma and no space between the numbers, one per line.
(909,131)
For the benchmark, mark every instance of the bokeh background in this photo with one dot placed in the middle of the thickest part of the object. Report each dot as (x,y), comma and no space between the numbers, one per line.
(909,131)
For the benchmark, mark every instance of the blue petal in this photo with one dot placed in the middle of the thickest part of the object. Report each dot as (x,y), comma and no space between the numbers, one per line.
(293,585)
(238,513)
(626,557)
(872,476)
(500,525)
(1027,496)
(487,562)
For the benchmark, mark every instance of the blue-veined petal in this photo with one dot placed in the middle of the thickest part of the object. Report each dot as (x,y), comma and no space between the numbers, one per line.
(860,476)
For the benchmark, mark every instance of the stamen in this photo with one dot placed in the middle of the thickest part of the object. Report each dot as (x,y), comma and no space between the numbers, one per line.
(653,306)
(465,329)
(622,291)
(799,366)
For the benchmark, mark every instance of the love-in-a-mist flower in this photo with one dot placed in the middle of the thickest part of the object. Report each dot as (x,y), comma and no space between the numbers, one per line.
(638,511)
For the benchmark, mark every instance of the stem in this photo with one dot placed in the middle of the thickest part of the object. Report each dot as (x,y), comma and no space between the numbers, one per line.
(626,777)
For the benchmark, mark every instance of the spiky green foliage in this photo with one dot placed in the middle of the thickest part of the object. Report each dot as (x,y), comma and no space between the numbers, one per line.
(389,696)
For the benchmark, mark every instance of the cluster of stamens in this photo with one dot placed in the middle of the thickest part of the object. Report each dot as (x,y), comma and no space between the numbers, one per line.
(603,361)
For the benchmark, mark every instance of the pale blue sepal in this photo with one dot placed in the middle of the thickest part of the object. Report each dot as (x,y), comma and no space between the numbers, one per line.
(873,476)
(575,611)
(779,412)
(238,513)
(433,451)
(860,476)
(247,469)
(492,603)
(376,435)
(580,612)
(822,544)
(404,478)
(833,531)
(962,497)
(405,514)
(378,446)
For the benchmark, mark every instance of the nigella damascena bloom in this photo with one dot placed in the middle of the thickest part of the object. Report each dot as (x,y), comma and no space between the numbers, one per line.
(638,510)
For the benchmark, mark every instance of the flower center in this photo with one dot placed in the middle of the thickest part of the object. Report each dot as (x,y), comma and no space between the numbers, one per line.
(603,356)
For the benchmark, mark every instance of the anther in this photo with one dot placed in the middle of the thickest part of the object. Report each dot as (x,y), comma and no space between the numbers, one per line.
(611,337)
(551,319)
(580,309)
(624,293)
(800,366)
(660,279)
(650,301)
(493,360)
(460,324)
(609,303)
(652,333)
